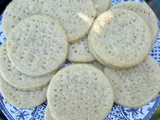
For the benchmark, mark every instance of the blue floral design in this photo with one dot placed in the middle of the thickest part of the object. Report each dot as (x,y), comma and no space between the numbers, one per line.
(116,113)
(155,53)
(44,104)
(40,113)
(142,113)
(2,37)
(14,113)
(132,0)
(20,114)
(1,97)
(65,64)
(134,113)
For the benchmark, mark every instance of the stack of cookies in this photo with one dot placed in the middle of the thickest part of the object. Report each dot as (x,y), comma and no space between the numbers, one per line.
(36,47)
(108,48)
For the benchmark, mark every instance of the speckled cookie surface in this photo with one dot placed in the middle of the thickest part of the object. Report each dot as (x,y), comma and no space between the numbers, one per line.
(97,65)
(38,45)
(16,78)
(79,52)
(136,86)
(101,5)
(79,92)
(17,10)
(76,16)
(22,99)
(120,38)
(47,114)
(98,58)
(143,10)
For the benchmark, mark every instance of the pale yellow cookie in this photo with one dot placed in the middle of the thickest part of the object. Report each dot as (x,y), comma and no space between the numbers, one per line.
(136,86)
(102,5)
(22,99)
(17,10)
(38,45)
(16,78)
(143,10)
(79,52)
(80,92)
(97,65)
(120,38)
(98,58)
(76,16)
(47,114)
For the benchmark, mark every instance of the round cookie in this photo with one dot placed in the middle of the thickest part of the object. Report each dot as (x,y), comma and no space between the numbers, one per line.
(97,65)
(76,16)
(136,86)
(98,58)
(94,63)
(37,45)
(79,52)
(143,10)
(120,38)
(22,99)
(47,114)
(16,78)
(101,6)
(79,92)
(17,10)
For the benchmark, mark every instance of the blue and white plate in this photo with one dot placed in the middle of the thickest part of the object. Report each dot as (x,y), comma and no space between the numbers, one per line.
(117,113)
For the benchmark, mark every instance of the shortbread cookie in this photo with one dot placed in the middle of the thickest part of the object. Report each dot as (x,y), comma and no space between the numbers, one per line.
(101,6)
(76,16)
(143,11)
(136,86)
(17,10)
(98,58)
(16,78)
(97,65)
(120,38)
(94,63)
(37,45)
(79,92)
(79,52)
(47,114)
(22,99)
